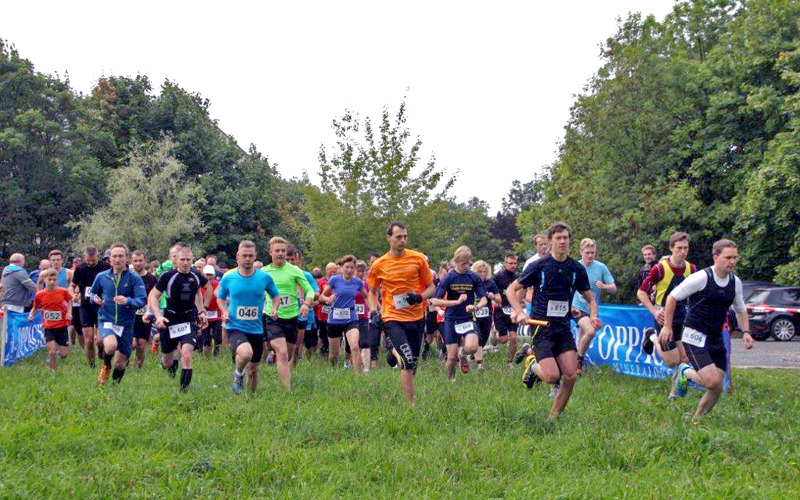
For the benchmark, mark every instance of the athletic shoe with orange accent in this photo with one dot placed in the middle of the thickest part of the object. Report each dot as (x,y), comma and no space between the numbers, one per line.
(464,364)
(154,347)
(103,377)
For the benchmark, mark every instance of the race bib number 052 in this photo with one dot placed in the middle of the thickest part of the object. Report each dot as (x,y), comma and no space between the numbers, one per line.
(51,315)
(247,312)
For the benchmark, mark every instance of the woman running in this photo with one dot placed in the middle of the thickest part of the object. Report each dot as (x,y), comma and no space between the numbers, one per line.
(483,316)
(340,293)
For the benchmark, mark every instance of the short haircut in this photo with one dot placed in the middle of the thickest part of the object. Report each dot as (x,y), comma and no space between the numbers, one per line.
(155,264)
(179,245)
(184,248)
(291,250)
(510,255)
(361,265)
(649,247)
(392,225)
(47,272)
(587,242)
(55,252)
(479,264)
(676,237)
(538,237)
(211,256)
(91,251)
(138,253)
(347,258)
(118,245)
(558,227)
(316,273)
(247,244)
(721,245)
(462,254)
(276,240)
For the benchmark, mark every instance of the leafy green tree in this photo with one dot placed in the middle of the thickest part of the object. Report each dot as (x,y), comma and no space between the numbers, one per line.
(151,205)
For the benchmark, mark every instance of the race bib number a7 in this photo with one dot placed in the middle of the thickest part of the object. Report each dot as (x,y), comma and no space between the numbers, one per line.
(285,301)
(247,312)
(557,308)
(693,337)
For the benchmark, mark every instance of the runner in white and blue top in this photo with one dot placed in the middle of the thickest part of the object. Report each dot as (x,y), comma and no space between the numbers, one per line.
(240,296)
(343,318)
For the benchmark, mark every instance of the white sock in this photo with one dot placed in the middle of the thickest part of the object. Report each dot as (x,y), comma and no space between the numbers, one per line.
(238,373)
(653,338)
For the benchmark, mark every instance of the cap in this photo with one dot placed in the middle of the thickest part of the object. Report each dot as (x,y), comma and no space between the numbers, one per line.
(107,254)
(209,270)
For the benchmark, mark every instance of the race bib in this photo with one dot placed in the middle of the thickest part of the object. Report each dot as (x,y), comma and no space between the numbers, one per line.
(88,292)
(483,312)
(557,308)
(507,310)
(76,303)
(141,311)
(285,301)
(693,337)
(179,330)
(464,328)
(51,315)
(212,314)
(117,329)
(361,309)
(247,312)
(401,301)
(341,313)
(326,309)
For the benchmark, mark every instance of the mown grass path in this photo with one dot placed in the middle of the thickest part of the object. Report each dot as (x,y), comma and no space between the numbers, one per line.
(336,436)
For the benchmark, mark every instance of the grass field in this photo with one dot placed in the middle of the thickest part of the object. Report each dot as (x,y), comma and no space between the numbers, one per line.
(335,436)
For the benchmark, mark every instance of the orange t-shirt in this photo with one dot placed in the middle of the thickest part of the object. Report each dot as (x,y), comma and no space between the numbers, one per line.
(53,306)
(397,276)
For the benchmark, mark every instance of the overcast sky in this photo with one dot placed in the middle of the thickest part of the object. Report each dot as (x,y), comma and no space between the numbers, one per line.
(488,85)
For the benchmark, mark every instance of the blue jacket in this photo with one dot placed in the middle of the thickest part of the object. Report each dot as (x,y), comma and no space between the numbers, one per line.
(130,285)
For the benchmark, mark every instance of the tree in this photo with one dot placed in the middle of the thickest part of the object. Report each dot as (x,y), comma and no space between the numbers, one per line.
(151,204)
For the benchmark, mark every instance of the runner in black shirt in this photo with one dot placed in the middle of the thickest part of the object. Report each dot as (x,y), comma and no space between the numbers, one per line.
(185,309)
(555,279)
(142,324)
(503,322)
(82,281)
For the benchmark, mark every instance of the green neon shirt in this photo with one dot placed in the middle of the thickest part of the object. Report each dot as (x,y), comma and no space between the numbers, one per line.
(287,278)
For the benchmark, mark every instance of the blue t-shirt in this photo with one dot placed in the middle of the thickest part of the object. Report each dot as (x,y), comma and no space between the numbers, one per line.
(345,301)
(596,272)
(455,284)
(315,287)
(246,294)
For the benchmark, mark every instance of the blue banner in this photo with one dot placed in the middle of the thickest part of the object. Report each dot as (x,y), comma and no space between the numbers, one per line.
(619,344)
(23,338)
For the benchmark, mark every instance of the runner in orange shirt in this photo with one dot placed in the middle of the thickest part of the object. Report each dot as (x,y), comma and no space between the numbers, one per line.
(56,305)
(405,281)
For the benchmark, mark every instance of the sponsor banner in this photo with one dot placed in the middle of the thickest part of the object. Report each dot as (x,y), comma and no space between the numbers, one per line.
(619,343)
(22,337)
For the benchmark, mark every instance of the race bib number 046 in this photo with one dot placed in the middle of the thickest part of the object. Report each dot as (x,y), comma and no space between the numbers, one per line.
(557,308)
(247,312)
(693,337)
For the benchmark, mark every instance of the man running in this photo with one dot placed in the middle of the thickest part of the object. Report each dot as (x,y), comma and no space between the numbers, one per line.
(82,281)
(118,293)
(649,256)
(404,279)
(184,310)
(555,279)
(240,297)
(503,321)
(142,324)
(664,277)
(213,332)
(600,280)
(711,292)
(308,321)
(282,331)
(542,246)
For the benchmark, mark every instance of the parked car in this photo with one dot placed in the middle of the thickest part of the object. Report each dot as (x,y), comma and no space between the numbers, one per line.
(748,288)
(774,311)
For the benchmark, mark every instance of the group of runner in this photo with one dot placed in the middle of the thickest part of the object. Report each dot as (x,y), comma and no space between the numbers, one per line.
(183,305)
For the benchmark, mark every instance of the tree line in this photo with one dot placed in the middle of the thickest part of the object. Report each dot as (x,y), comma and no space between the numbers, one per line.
(690,123)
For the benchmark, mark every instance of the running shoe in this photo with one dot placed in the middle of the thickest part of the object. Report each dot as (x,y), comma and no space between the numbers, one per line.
(271,358)
(173,368)
(425,351)
(555,389)
(529,377)
(682,382)
(522,353)
(154,347)
(647,344)
(464,362)
(103,377)
(579,371)
(390,359)
(346,363)
(238,383)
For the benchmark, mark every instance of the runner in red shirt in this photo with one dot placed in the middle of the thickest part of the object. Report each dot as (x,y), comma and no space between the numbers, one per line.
(56,306)
(214,329)
(322,310)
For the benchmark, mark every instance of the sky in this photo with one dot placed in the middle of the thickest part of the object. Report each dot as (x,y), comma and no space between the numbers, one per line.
(488,86)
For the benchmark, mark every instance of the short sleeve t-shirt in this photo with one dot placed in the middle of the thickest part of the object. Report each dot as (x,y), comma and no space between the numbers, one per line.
(180,290)
(455,284)
(555,283)
(84,277)
(246,299)
(597,271)
(396,276)
(344,306)
(502,279)
(53,307)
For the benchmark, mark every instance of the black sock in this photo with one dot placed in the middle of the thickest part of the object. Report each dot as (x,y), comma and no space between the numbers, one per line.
(174,367)
(117,374)
(216,350)
(186,377)
(107,359)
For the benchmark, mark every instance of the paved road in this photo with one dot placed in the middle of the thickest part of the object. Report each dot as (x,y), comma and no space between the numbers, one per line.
(766,354)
